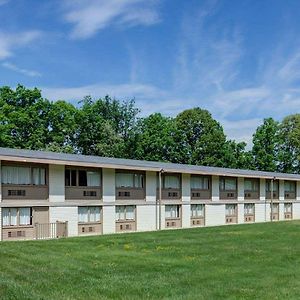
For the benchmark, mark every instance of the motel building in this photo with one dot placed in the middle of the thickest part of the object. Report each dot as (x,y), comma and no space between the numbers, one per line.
(48,195)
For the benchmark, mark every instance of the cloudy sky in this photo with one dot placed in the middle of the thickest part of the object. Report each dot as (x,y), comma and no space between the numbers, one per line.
(240,59)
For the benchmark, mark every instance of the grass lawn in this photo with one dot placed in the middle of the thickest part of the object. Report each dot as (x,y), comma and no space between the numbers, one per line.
(238,262)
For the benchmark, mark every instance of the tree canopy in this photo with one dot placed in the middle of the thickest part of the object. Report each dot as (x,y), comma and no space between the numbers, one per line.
(113,128)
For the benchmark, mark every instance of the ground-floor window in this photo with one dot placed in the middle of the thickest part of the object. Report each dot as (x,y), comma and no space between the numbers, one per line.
(89,214)
(21,216)
(125,212)
(288,208)
(275,208)
(172,211)
(231,209)
(249,209)
(197,210)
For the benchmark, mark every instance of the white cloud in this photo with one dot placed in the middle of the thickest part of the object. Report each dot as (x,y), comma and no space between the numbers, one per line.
(26,72)
(10,41)
(90,16)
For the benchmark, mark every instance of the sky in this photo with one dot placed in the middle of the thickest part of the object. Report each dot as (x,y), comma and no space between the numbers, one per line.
(239,59)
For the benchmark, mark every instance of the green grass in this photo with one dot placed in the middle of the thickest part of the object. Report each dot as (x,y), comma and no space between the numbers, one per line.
(257,261)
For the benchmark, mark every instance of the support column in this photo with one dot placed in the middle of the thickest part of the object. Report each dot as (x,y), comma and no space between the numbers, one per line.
(281,211)
(241,213)
(281,190)
(215,188)
(109,198)
(186,201)
(241,189)
(262,189)
(56,183)
(298,190)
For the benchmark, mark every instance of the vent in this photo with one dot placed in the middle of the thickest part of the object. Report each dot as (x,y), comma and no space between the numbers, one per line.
(91,229)
(17,193)
(168,224)
(247,195)
(89,193)
(14,234)
(83,229)
(196,195)
(230,195)
(124,194)
(287,195)
(172,194)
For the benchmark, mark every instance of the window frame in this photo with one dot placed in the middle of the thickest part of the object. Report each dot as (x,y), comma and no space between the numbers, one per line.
(78,170)
(202,177)
(177,211)
(133,173)
(222,184)
(125,213)
(17,217)
(196,216)
(89,214)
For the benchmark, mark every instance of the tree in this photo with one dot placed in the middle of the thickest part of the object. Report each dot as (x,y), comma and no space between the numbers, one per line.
(289,144)
(203,137)
(265,146)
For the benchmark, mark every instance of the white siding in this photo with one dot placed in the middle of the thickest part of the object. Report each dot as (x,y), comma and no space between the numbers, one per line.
(109,185)
(241,189)
(150,186)
(186,187)
(56,183)
(163,218)
(65,213)
(214,214)
(281,190)
(296,210)
(262,189)
(281,211)
(260,212)
(109,219)
(241,213)
(215,192)
(186,215)
(146,218)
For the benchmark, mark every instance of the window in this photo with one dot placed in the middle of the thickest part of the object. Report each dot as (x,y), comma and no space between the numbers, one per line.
(172,211)
(200,182)
(230,209)
(197,210)
(16,216)
(288,207)
(290,186)
(82,178)
(249,209)
(275,185)
(89,214)
(171,182)
(125,212)
(23,175)
(227,184)
(251,185)
(275,208)
(129,180)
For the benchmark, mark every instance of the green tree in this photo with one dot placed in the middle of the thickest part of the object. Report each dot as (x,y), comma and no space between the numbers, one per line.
(265,145)
(203,137)
(289,144)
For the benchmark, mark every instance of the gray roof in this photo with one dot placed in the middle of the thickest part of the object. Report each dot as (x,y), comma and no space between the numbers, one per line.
(120,163)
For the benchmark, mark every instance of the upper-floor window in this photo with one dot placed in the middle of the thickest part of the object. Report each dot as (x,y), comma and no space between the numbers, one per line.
(82,178)
(290,186)
(129,180)
(23,175)
(251,185)
(200,182)
(269,185)
(171,182)
(228,184)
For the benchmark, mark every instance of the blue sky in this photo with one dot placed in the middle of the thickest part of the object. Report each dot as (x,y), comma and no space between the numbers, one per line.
(240,59)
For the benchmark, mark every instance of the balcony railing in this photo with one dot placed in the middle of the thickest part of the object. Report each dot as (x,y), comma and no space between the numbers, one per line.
(200,194)
(26,192)
(83,193)
(124,193)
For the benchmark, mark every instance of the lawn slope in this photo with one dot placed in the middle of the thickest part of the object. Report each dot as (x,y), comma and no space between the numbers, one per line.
(257,261)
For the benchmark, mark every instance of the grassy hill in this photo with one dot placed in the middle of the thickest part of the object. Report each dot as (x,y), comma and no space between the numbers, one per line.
(239,262)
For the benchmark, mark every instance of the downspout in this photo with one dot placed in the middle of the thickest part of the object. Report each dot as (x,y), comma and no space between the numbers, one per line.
(272,191)
(159,197)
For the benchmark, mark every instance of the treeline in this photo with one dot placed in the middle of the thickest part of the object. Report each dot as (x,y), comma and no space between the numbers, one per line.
(109,127)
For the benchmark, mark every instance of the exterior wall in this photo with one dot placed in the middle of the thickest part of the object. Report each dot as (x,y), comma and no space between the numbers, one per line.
(145,217)
(0,202)
(240,213)
(215,214)
(56,183)
(65,213)
(150,186)
(281,211)
(260,212)
(241,189)
(186,215)
(262,189)
(109,184)
(296,210)
(281,191)
(163,218)
(109,219)
(215,192)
